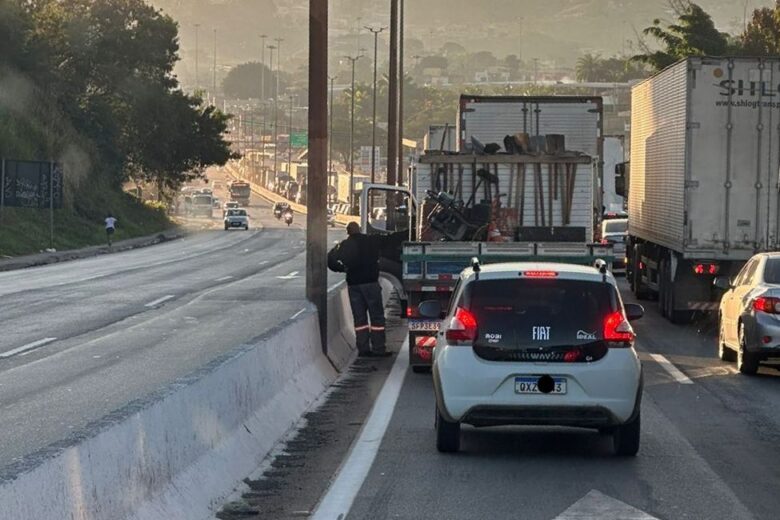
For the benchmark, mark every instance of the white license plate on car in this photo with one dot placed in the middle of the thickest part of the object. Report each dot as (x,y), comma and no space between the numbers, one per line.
(423,326)
(530,385)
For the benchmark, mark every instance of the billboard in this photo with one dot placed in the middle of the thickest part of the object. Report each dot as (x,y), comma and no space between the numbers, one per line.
(31,184)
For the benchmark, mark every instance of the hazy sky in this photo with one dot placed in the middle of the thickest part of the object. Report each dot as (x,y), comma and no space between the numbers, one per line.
(554,30)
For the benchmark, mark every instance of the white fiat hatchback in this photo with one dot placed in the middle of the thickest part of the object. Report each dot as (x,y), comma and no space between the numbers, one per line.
(537,344)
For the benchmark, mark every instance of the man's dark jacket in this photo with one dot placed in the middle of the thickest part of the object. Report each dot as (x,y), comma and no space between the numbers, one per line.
(358,255)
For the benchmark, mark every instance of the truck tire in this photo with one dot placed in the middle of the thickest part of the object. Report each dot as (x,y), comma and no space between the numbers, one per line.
(447,434)
(640,291)
(663,288)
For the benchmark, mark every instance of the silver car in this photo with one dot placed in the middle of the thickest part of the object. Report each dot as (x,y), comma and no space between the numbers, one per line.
(614,231)
(749,316)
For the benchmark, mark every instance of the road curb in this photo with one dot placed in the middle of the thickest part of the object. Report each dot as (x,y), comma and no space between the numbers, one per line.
(24,262)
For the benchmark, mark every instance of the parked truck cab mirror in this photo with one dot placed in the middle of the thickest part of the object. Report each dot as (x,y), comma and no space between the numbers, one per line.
(430,309)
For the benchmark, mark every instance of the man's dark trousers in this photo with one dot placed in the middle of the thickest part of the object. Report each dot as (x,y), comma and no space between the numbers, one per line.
(366,300)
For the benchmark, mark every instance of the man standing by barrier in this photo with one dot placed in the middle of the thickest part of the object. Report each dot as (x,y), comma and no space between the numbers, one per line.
(358,256)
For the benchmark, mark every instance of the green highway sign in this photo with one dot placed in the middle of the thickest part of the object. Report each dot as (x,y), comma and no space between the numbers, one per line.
(299,140)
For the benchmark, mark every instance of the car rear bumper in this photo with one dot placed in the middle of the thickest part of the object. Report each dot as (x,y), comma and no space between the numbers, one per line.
(764,335)
(472,390)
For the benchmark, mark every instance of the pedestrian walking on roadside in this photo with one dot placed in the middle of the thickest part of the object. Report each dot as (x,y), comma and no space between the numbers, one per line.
(110,227)
(358,256)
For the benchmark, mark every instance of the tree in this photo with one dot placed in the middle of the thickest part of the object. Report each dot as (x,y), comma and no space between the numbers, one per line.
(243,81)
(762,35)
(694,34)
(588,67)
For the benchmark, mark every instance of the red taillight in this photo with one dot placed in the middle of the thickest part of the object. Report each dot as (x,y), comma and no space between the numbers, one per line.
(617,329)
(706,269)
(539,274)
(604,241)
(462,327)
(409,312)
(767,305)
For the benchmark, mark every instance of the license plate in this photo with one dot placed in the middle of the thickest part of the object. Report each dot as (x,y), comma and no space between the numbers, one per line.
(423,326)
(529,385)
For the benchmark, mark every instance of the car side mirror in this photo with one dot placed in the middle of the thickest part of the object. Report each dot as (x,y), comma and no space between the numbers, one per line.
(724,283)
(634,311)
(430,309)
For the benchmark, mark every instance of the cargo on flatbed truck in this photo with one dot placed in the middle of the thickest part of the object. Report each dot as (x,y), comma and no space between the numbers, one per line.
(702,180)
(497,208)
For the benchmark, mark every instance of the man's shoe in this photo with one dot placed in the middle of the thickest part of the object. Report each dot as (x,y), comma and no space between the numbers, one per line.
(384,353)
(367,353)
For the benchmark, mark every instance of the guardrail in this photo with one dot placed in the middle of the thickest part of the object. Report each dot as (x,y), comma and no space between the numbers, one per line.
(275,197)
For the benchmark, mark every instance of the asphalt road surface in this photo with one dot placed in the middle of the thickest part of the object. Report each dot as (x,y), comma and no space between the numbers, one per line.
(81,339)
(709,450)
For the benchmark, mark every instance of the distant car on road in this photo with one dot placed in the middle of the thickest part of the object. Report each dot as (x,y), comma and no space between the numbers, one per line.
(749,314)
(537,344)
(331,218)
(236,219)
(614,232)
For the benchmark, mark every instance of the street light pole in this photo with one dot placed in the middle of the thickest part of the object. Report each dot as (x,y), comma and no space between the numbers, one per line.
(276,104)
(289,139)
(271,49)
(392,106)
(197,50)
(401,94)
(330,131)
(373,123)
(353,59)
(262,70)
(214,70)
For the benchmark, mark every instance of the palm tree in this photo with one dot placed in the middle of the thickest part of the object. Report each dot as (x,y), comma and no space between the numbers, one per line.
(588,67)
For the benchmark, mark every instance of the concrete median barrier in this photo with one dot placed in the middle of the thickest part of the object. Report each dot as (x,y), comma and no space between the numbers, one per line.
(180,452)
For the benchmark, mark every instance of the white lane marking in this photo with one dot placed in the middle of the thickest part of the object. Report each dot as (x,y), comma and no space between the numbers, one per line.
(342,492)
(158,301)
(297,314)
(263,262)
(224,279)
(335,286)
(598,505)
(28,347)
(671,369)
(290,276)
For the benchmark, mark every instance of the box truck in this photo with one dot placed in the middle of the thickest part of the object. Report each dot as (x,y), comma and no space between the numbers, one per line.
(702,179)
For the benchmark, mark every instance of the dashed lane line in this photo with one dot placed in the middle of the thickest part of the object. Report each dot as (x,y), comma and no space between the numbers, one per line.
(158,301)
(28,347)
(672,370)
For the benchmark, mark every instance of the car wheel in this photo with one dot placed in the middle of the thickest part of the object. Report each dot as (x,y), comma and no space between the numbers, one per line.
(421,369)
(447,434)
(747,362)
(226,227)
(639,288)
(625,438)
(246,228)
(724,352)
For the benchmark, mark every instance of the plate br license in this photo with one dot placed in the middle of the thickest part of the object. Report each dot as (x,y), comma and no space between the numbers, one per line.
(423,326)
(529,385)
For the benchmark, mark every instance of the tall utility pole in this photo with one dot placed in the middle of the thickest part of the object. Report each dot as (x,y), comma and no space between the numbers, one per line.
(276,104)
(330,129)
(214,70)
(197,50)
(353,59)
(316,194)
(289,138)
(392,106)
(272,48)
(401,95)
(262,69)
(373,120)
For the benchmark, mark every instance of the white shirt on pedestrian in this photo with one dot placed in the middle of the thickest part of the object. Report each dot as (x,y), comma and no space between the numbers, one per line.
(110,222)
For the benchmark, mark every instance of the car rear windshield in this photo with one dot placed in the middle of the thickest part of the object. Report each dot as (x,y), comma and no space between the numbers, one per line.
(533,313)
(772,271)
(616,226)
(237,213)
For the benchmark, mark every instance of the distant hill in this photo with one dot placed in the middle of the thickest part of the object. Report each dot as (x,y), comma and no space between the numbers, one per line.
(554,30)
